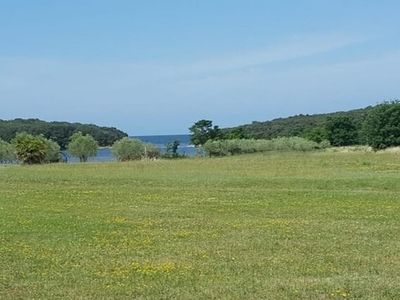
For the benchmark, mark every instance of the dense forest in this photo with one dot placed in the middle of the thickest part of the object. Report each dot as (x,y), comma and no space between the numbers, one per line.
(308,126)
(59,132)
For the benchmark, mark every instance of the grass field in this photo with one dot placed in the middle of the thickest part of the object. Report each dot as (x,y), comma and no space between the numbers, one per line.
(274,226)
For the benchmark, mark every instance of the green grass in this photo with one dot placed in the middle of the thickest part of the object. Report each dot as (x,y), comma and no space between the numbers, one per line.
(274,226)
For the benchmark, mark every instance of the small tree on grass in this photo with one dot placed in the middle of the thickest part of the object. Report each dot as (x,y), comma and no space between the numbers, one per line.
(172,149)
(53,152)
(82,146)
(128,149)
(202,131)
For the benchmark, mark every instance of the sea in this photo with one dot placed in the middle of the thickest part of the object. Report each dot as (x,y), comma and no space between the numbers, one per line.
(161,141)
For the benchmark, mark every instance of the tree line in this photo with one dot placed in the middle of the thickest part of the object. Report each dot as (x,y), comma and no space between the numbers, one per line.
(59,132)
(377,126)
(307,126)
(36,149)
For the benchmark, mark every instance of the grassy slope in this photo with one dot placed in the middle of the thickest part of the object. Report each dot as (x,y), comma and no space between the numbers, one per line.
(276,226)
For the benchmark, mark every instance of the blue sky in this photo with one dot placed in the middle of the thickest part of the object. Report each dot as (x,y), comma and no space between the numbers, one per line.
(155,67)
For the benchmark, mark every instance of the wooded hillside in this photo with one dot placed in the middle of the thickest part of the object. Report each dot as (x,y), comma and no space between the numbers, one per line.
(59,132)
(299,125)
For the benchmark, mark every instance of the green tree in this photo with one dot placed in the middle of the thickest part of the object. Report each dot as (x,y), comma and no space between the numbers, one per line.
(53,152)
(317,134)
(82,146)
(128,149)
(7,152)
(382,126)
(202,131)
(172,149)
(341,131)
(30,149)
(235,133)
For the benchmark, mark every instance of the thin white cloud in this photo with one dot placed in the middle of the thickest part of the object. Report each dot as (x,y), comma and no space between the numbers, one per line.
(298,47)
(25,70)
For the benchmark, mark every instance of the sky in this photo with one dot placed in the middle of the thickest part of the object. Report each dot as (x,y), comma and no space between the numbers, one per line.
(156,66)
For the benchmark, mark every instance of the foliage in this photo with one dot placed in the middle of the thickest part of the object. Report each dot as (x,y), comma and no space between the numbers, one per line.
(53,152)
(241,146)
(7,152)
(217,148)
(341,131)
(59,132)
(234,133)
(382,126)
(30,149)
(307,126)
(377,126)
(324,144)
(128,149)
(317,134)
(82,146)
(134,149)
(202,131)
(172,149)
(151,151)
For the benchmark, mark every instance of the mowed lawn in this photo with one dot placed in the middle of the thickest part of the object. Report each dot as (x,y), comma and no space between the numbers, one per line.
(273,226)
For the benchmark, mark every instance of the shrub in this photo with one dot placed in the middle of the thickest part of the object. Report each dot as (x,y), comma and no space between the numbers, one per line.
(216,148)
(53,153)
(7,152)
(294,143)
(30,149)
(82,146)
(325,144)
(240,146)
(151,151)
(128,149)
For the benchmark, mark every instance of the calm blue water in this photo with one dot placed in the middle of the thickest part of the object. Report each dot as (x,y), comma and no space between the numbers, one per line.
(185,148)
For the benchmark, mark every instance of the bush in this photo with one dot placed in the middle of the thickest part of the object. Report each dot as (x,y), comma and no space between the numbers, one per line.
(294,143)
(324,144)
(241,146)
(82,146)
(30,149)
(128,149)
(216,148)
(53,152)
(7,152)
(151,151)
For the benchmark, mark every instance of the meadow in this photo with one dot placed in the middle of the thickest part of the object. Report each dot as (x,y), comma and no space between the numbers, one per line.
(315,225)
